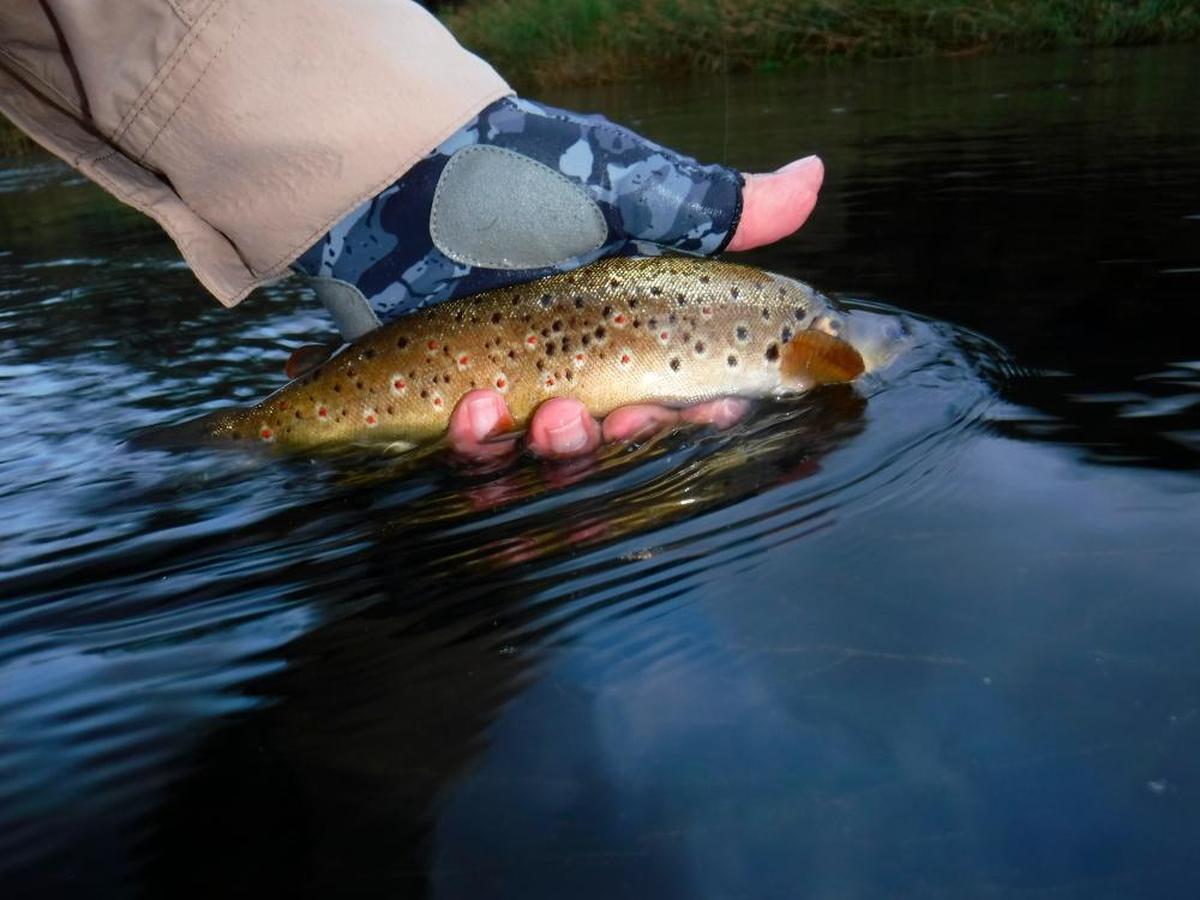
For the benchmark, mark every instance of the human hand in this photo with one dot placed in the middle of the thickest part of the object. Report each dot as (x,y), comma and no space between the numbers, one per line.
(568,189)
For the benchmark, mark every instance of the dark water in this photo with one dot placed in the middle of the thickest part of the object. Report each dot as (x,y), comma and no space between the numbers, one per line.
(941,640)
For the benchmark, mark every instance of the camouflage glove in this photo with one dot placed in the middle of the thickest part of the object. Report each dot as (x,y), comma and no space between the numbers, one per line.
(521,191)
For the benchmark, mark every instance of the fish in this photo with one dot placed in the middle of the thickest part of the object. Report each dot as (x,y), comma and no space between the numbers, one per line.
(669,329)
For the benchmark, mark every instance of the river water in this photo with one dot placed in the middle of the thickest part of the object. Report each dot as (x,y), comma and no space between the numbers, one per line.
(935,638)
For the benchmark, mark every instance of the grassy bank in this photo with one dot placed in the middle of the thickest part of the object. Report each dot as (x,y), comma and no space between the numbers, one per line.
(539,42)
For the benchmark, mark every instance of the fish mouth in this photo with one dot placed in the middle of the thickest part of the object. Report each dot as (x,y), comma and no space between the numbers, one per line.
(879,338)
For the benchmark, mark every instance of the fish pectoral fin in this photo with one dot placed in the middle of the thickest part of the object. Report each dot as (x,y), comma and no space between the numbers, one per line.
(816,357)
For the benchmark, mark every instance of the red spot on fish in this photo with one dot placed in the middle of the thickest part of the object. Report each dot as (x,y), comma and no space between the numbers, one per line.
(322,412)
(626,359)
(464,361)
(501,383)
(266,434)
(531,341)
(437,401)
(370,418)
(619,319)
(431,345)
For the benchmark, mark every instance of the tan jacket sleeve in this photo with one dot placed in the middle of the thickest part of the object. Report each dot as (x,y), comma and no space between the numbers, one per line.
(244,127)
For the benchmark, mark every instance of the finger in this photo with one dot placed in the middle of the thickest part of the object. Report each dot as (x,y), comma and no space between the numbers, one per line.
(633,423)
(562,428)
(776,204)
(723,413)
(478,418)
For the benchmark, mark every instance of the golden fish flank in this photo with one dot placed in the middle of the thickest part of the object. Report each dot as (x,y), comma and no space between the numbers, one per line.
(674,330)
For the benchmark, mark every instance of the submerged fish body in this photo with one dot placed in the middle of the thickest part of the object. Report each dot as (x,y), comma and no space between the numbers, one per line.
(672,330)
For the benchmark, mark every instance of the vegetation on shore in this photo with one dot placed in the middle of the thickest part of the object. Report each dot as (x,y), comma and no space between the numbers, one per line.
(546,42)
(536,43)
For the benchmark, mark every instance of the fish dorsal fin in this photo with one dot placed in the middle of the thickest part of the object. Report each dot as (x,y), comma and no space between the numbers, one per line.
(818,358)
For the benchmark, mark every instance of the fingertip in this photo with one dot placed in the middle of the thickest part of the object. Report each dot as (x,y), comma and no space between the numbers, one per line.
(563,428)
(479,415)
(723,413)
(632,423)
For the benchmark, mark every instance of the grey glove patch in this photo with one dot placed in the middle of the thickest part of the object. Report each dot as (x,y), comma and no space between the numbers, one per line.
(351,312)
(501,210)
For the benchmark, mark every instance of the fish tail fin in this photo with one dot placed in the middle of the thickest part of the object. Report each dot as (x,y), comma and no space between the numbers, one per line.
(819,358)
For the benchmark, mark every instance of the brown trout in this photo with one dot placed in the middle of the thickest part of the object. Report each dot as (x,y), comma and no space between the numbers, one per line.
(672,330)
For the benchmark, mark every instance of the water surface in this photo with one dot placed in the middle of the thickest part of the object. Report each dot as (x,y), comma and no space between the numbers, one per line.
(936,637)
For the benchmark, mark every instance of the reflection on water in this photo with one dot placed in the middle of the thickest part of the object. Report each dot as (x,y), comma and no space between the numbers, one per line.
(931,637)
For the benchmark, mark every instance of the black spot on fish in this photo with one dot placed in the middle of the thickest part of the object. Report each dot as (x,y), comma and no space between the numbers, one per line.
(600,332)
(424,394)
(337,388)
(652,322)
(786,334)
(731,361)
(655,291)
(614,283)
(637,323)
(545,332)
(546,300)
(742,333)
(358,384)
(674,363)
(699,346)
(550,348)
(458,316)
(579,302)
(585,339)
(391,410)
(557,326)
(496,318)
(704,279)
(298,415)
(672,318)
(445,349)
(401,343)
(633,303)
(681,299)
(801,312)
(566,345)
(541,366)
(766,314)
(512,354)
(606,312)
(369,353)
(526,317)
(733,292)
(569,375)
(835,326)
(349,371)
(772,353)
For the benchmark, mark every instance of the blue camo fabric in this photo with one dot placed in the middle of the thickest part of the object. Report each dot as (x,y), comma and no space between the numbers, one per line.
(652,199)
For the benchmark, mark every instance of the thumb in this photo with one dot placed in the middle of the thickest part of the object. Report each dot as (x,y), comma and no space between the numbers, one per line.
(775,204)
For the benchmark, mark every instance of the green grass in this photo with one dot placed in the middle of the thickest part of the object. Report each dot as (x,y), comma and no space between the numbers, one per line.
(538,42)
